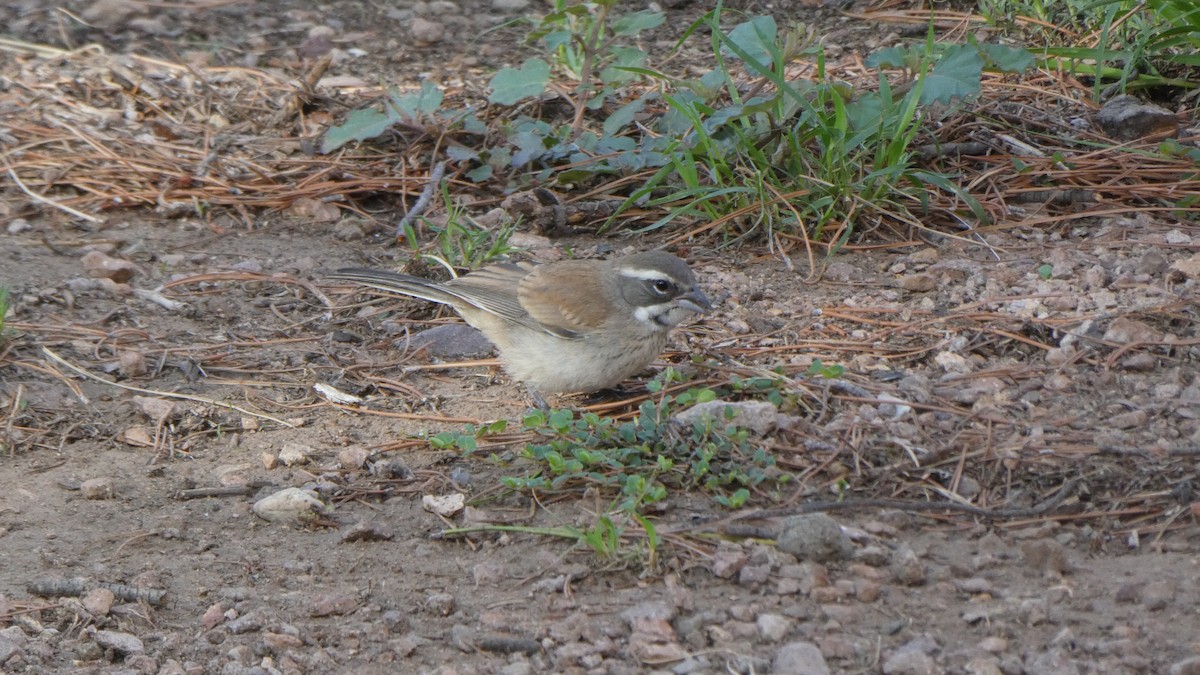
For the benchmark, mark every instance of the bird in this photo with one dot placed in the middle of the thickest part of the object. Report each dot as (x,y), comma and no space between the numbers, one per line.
(564,327)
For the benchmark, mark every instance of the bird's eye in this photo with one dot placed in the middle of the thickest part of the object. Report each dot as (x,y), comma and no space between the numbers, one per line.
(662,286)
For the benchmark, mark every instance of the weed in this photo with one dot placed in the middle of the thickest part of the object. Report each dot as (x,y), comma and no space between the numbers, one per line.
(460,242)
(1132,44)
(777,155)
(4,306)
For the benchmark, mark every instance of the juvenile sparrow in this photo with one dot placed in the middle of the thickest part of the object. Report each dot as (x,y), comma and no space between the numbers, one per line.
(575,326)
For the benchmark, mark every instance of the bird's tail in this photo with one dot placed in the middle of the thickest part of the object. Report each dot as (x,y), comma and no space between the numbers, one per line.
(394,282)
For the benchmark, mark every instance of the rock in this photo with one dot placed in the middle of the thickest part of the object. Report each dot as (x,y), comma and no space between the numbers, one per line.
(452,341)
(131,363)
(1123,330)
(157,409)
(509,5)
(1126,118)
(907,567)
(100,266)
(773,627)
(728,560)
(122,643)
(1157,595)
(246,623)
(291,505)
(917,283)
(801,658)
(913,658)
(815,537)
(1046,556)
(1055,661)
(293,454)
(440,604)
(354,457)
(425,32)
(333,604)
(655,610)
(758,417)
(98,601)
(98,488)
(12,643)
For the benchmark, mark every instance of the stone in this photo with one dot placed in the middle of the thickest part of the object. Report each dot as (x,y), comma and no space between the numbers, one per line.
(814,537)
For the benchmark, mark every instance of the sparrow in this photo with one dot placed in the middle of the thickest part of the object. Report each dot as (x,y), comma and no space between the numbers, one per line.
(573,326)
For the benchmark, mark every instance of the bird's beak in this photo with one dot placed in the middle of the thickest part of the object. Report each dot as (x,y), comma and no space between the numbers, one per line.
(694,301)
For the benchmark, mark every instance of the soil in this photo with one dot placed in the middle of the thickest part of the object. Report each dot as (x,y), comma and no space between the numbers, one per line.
(1047,377)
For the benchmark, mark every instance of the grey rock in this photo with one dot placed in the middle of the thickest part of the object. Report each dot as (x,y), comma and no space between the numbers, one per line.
(648,610)
(452,341)
(1126,118)
(800,658)
(123,643)
(815,537)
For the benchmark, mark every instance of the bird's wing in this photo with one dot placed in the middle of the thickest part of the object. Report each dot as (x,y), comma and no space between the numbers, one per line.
(565,302)
(494,289)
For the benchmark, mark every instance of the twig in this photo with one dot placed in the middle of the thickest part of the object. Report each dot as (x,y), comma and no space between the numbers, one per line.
(12,418)
(59,588)
(201,493)
(435,179)
(165,394)
(47,201)
(159,299)
(1051,504)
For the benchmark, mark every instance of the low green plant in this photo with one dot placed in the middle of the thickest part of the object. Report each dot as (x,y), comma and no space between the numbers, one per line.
(643,458)
(3,310)
(460,242)
(465,441)
(1129,43)
(811,157)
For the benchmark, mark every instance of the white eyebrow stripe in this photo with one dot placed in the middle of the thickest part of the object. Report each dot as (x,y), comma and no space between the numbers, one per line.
(645,275)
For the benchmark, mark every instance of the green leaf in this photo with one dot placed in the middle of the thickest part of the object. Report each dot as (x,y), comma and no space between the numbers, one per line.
(414,104)
(636,22)
(956,75)
(1006,59)
(892,57)
(460,153)
(359,126)
(442,441)
(514,84)
(481,173)
(621,70)
(623,115)
(756,38)
(1045,272)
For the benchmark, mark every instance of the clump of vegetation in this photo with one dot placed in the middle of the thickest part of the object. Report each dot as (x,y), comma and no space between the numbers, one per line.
(4,307)
(1121,44)
(805,157)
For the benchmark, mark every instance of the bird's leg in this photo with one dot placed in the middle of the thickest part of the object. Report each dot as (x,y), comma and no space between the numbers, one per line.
(538,401)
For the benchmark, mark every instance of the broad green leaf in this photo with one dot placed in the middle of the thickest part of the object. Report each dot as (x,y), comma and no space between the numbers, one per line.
(511,85)
(359,126)
(623,116)
(557,39)
(414,104)
(892,57)
(458,153)
(618,71)
(636,22)
(956,75)
(756,38)
(1006,59)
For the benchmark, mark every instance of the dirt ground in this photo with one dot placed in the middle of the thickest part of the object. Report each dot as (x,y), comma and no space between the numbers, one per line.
(1048,378)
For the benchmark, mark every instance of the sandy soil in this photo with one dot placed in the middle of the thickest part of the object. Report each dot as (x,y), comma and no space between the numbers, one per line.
(971,375)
